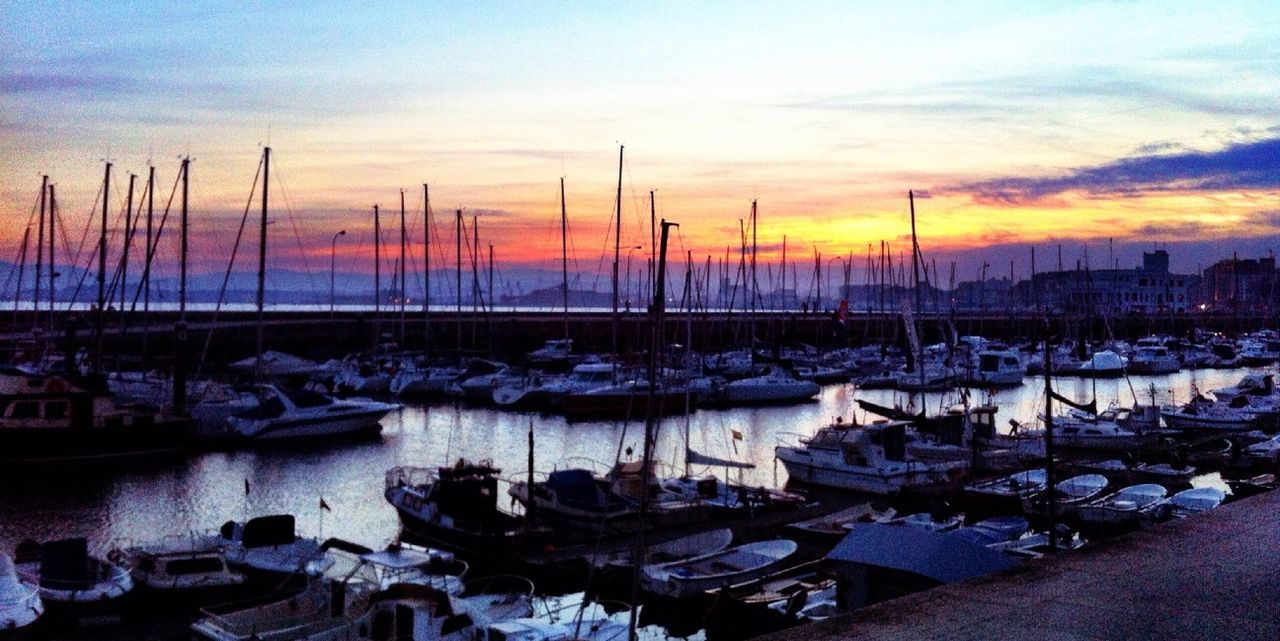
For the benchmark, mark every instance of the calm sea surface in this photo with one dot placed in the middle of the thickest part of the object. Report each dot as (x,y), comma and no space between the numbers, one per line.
(202,491)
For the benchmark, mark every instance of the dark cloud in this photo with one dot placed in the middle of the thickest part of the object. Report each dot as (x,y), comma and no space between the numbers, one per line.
(1269,218)
(1245,166)
(34,82)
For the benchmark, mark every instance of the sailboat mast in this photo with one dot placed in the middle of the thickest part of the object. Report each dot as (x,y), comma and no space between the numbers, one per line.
(564,258)
(102,272)
(124,257)
(35,301)
(915,251)
(426,269)
(22,267)
(377,262)
(458,260)
(617,255)
(182,284)
(53,270)
(402,266)
(262,259)
(755,287)
(651,416)
(146,269)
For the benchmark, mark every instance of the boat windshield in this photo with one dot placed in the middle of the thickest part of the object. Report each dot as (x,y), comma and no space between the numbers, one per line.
(307,398)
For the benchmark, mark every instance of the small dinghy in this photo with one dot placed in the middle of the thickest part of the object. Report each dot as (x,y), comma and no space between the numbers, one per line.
(1123,507)
(835,526)
(20,604)
(1195,500)
(1071,494)
(691,577)
(668,551)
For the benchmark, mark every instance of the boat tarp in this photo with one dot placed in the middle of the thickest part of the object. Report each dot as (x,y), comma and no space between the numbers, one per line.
(695,458)
(575,487)
(935,555)
(65,560)
(264,531)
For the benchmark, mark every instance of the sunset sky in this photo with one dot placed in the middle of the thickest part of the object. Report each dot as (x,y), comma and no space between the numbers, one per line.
(1020,124)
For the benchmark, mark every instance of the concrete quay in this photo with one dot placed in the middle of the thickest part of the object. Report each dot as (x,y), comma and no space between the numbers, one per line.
(1212,576)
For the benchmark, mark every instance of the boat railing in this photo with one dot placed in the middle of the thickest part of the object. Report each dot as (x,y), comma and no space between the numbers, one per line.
(407,475)
(791,439)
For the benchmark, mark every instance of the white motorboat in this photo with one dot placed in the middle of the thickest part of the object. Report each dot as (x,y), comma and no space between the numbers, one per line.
(1101,432)
(268,546)
(1071,494)
(774,387)
(995,365)
(69,578)
(287,414)
(20,603)
(1124,506)
(365,595)
(871,459)
(691,577)
(933,376)
(181,566)
(1249,385)
(1154,360)
(1210,417)
(1103,364)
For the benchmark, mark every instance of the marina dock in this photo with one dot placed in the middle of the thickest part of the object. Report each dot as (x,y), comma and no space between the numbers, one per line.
(1209,577)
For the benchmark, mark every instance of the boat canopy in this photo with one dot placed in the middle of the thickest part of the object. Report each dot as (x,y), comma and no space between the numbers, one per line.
(935,555)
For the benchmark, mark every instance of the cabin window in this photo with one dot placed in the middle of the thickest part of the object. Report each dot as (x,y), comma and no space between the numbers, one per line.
(198,565)
(25,409)
(55,409)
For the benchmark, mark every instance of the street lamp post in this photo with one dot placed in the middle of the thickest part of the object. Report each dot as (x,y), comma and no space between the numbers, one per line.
(333,263)
(628,282)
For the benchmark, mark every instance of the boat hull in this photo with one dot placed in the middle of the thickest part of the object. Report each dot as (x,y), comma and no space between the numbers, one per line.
(919,479)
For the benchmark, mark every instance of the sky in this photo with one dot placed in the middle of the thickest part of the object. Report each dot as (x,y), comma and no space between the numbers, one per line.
(1102,127)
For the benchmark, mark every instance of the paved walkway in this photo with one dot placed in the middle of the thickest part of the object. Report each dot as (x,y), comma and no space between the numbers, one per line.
(1214,576)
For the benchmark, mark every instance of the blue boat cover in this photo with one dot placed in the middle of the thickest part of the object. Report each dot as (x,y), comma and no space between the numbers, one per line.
(935,555)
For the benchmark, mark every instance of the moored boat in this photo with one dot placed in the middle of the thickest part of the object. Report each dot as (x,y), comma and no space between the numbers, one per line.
(692,577)
(1124,506)
(20,603)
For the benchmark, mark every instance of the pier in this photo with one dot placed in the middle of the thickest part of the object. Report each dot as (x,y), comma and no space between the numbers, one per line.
(1212,576)
(509,333)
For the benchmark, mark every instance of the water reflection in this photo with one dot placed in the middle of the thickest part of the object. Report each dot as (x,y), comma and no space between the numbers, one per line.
(145,501)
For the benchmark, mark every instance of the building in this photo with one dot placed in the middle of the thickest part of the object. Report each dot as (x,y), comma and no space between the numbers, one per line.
(1151,288)
(1240,285)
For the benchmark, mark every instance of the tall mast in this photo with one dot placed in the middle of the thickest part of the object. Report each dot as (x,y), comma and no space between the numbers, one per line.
(617,255)
(124,257)
(915,251)
(755,285)
(457,248)
(102,272)
(22,266)
(53,270)
(653,238)
(262,257)
(182,260)
(146,269)
(402,266)
(377,262)
(651,416)
(124,262)
(35,301)
(564,258)
(426,269)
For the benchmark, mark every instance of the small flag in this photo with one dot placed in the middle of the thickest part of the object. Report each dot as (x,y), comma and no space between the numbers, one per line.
(325,506)
(246,487)
(737,436)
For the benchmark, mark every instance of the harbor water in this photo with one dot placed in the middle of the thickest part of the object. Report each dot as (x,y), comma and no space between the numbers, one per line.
(145,500)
